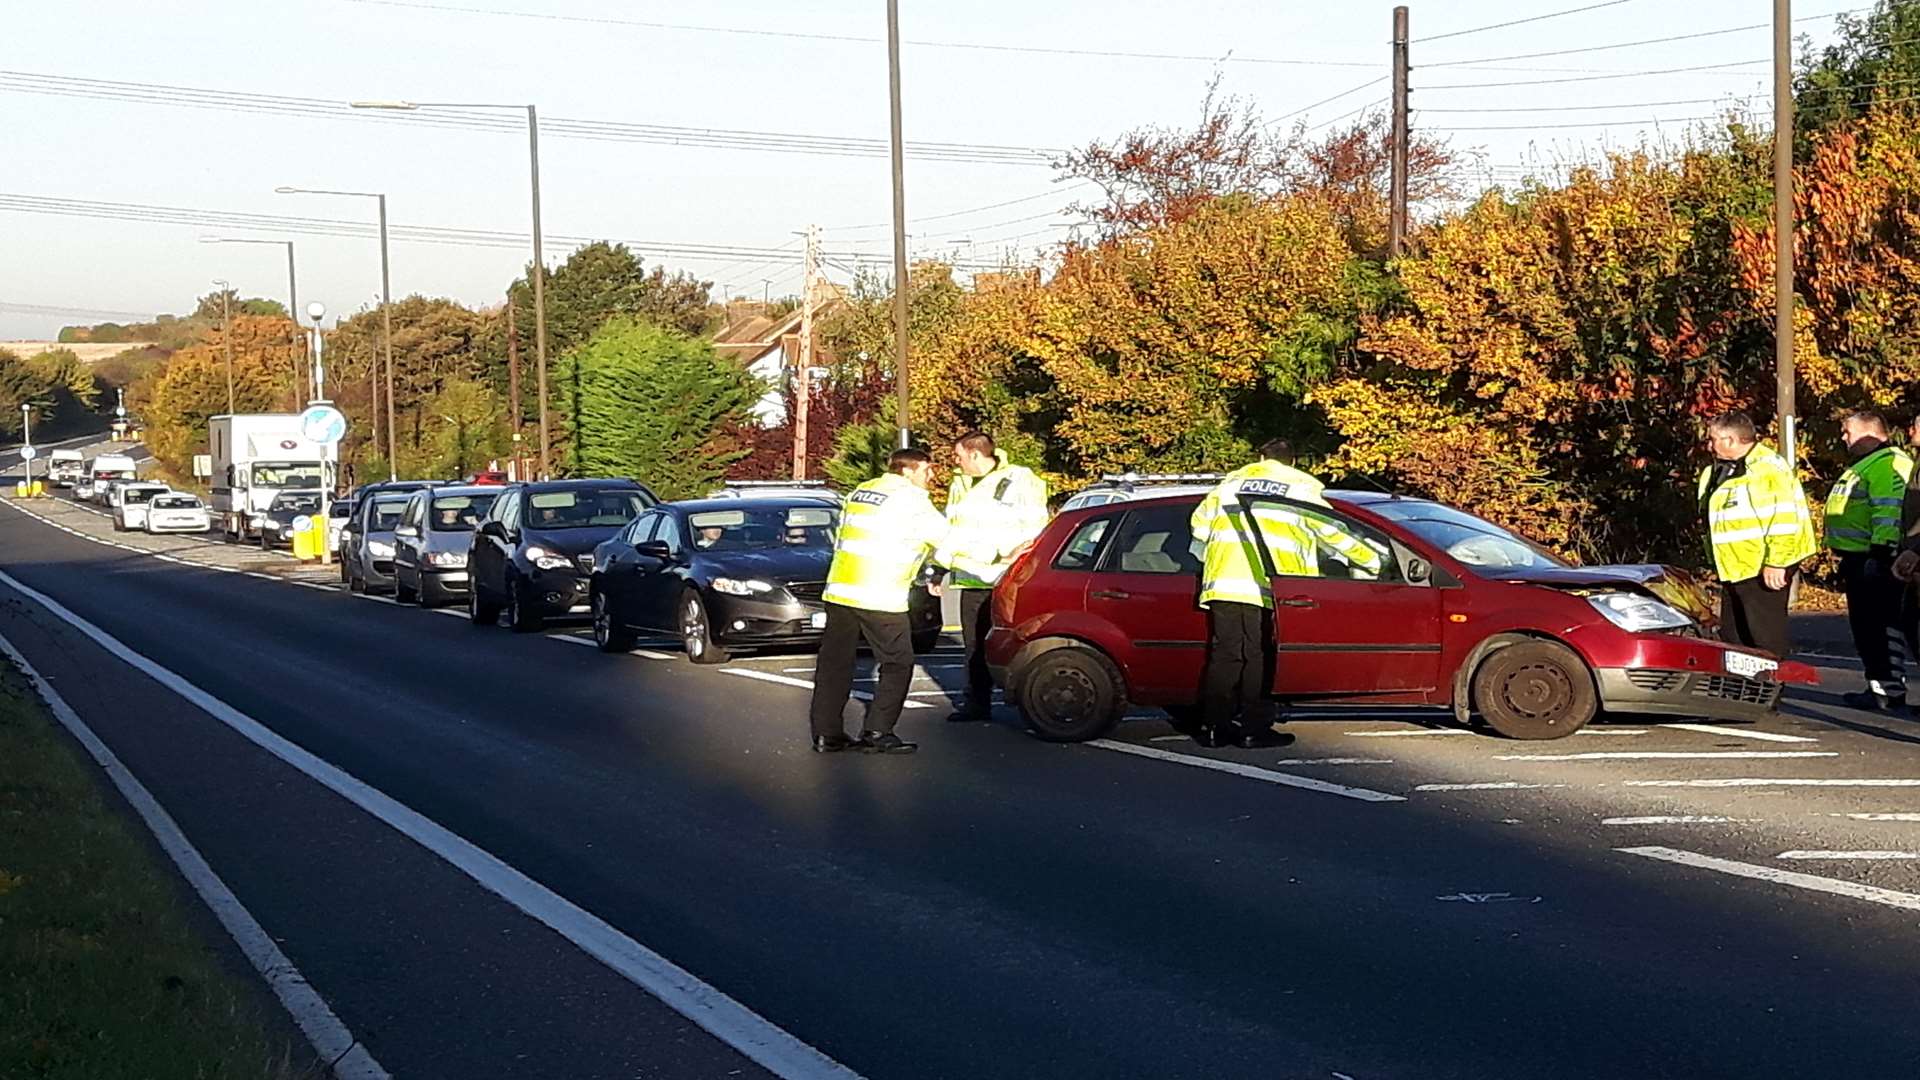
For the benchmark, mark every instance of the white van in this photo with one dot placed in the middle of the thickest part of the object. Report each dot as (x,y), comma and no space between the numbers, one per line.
(64,467)
(104,470)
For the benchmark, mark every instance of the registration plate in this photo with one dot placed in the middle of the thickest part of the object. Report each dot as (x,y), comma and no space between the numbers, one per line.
(818,620)
(1748,666)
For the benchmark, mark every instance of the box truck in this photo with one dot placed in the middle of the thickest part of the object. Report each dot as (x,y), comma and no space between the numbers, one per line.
(255,457)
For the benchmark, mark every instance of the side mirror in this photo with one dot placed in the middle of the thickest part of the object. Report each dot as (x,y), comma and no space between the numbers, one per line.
(494,529)
(654,549)
(408,531)
(1419,571)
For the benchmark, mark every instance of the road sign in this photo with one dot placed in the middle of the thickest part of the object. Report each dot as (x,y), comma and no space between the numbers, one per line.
(28,453)
(323,424)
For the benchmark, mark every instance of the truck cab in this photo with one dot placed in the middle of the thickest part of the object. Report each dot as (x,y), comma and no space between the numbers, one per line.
(256,457)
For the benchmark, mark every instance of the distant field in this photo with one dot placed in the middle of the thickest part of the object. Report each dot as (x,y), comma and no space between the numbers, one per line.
(88,353)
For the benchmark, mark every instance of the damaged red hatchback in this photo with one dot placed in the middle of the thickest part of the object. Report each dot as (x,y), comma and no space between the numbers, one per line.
(1458,614)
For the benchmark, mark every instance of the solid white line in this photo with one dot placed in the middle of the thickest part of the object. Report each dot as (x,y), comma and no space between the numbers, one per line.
(768,676)
(377,599)
(1325,760)
(1666,755)
(330,1038)
(1176,738)
(261,576)
(1610,731)
(773,1048)
(1876,895)
(1881,817)
(1406,734)
(1837,856)
(1739,733)
(1755,781)
(454,613)
(1250,772)
(1492,785)
(573,640)
(1673,819)
(651,655)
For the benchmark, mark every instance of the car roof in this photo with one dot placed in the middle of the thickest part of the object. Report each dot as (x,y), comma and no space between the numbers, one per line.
(695,506)
(467,489)
(583,483)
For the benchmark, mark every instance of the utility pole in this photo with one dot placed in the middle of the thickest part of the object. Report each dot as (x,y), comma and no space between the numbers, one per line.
(899,220)
(226,338)
(803,374)
(1783,225)
(386,335)
(1397,220)
(513,387)
(539,294)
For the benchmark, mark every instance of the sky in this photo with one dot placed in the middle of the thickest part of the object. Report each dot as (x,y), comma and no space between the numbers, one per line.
(1000,73)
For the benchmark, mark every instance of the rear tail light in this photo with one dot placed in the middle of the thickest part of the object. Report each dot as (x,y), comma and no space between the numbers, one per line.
(1006,594)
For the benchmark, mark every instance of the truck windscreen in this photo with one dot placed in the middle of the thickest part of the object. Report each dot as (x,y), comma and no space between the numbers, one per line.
(285,474)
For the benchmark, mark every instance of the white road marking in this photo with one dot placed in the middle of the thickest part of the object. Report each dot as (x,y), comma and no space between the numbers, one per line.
(1837,856)
(377,599)
(768,1045)
(572,639)
(1739,733)
(1491,785)
(1668,755)
(1406,734)
(1871,893)
(1323,760)
(330,1038)
(783,680)
(1758,781)
(1880,817)
(651,655)
(1177,738)
(261,576)
(797,670)
(1610,731)
(1674,819)
(450,612)
(1250,772)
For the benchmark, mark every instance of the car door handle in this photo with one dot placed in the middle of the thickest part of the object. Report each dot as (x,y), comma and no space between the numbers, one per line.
(1297,601)
(1110,594)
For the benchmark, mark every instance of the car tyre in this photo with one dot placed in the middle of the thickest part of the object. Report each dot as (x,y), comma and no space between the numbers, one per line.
(480,610)
(520,618)
(1071,694)
(401,593)
(696,631)
(355,583)
(1535,690)
(611,636)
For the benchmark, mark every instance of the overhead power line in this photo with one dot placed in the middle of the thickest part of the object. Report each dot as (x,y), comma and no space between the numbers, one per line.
(1522,22)
(1596,78)
(1377,80)
(1722,31)
(47,309)
(1577,108)
(1081,186)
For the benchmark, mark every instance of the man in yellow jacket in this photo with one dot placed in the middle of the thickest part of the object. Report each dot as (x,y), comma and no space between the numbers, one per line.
(1759,529)
(1234,589)
(887,529)
(996,509)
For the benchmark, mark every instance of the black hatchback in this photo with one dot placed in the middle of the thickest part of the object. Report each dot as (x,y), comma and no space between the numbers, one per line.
(533,554)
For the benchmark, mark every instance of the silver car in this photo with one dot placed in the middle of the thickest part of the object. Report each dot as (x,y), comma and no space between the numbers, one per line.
(367,545)
(430,544)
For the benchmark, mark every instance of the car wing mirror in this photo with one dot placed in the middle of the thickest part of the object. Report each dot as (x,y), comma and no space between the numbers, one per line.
(494,529)
(1418,570)
(654,549)
(407,531)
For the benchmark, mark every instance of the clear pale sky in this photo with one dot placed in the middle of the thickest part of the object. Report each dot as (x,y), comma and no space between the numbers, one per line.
(349,49)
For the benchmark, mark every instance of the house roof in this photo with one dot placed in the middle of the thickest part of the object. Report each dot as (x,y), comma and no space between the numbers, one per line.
(756,335)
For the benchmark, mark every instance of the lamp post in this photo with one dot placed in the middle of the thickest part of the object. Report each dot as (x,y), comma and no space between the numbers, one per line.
(539,258)
(26,442)
(293,295)
(386,304)
(226,337)
(317,311)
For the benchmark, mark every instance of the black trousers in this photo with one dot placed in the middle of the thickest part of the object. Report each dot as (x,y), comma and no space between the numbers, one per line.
(1753,615)
(890,635)
(1239,666)
(976,618)
(1873,614)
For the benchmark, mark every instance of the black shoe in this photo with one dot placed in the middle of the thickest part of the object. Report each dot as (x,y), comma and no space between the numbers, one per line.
(968,716)
(1212,738)
(1262,740)
(833,744)
(873,742)
(1872,702)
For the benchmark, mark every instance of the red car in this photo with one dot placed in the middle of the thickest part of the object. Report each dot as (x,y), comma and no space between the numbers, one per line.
(1455,613)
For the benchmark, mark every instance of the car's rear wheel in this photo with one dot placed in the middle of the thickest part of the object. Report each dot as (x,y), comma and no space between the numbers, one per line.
(1071,694)
(480,610)
(521,616)
(608,632)
(696,631)
(1535,690)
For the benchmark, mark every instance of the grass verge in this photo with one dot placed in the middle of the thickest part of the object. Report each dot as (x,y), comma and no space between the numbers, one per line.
(107,971)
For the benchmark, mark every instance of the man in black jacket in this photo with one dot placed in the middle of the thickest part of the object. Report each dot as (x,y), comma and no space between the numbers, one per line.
(1906,568)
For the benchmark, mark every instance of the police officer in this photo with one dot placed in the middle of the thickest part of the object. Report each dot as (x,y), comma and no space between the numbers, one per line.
(887,529)
(1759,528)
(996,509)
(1234,706)
(1863,528)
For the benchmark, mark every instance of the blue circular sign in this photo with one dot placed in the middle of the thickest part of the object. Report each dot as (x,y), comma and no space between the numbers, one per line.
(323,424)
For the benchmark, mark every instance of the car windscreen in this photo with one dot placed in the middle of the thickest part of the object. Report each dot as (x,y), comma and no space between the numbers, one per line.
(583,508)
(1477,543)
(340,508)
(130,495)
(459,513)
(282,474)
(753,528)
(296,503)
(175,502)
(386,514)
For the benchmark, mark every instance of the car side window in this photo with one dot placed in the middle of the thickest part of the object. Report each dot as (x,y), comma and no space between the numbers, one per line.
(1154,540)
(669,531)
(510,511)
(642,528)
(1311,541)
(1082,549)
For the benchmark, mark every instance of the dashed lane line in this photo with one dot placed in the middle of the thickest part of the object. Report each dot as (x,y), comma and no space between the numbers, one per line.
(1669,755)
(1327,760)
(1407,734)
(1793,878)
(1249,772)
(1880,817)
(1740,733)
(783,680)
(1763,781)
(1676,819)
(1845,856)
(1488,785)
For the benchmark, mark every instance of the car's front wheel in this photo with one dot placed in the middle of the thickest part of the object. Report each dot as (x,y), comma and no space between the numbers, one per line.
(1071,694)
(696,631)
(401,592)
(481,611)
(522,616)
(608,632)
(1535,690)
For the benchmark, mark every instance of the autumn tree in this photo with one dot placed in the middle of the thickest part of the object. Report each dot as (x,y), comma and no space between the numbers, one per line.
(176,400)
(56,383)
(603,280)
(435,341)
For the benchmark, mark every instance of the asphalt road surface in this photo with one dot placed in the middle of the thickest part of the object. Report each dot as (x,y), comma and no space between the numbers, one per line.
(1382,899)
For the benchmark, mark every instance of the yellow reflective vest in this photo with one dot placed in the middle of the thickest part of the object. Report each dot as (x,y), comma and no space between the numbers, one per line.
(1756,518)
(991,516)
(1233,571)
(1863,511)
(887,528)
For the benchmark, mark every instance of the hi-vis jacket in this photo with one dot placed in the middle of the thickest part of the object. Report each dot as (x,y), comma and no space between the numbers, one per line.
(887,529)
(1233,571)
(1757,517)
(1864,509)
(992,516)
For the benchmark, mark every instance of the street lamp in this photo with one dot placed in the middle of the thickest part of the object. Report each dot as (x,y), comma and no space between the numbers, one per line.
(386,298)
(293,290)
(26,442)
(226,337)
(539,259)
(317,311)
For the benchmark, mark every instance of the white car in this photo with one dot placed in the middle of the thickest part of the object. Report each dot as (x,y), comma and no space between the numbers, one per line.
(129,501)
(176,511)
(83,488)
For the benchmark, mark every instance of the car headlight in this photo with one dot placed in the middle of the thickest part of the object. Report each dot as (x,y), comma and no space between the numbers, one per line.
(454,559)
(547,560)
(380,548)
(1634,612)
(741,586)
(256,521)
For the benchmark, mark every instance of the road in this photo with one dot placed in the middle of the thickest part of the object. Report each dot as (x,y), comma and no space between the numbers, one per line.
(1382,899)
